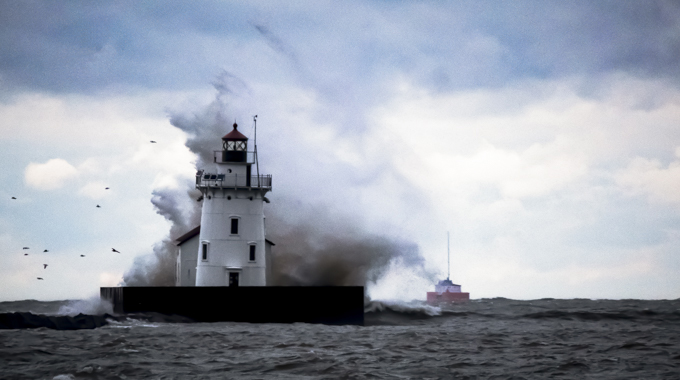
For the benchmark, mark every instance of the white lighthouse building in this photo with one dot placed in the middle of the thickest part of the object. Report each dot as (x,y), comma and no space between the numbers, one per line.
(229,247)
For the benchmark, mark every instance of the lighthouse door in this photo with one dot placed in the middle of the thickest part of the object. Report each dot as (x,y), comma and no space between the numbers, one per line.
(233,279)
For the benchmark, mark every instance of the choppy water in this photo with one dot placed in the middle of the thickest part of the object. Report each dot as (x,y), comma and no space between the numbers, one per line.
(485,339)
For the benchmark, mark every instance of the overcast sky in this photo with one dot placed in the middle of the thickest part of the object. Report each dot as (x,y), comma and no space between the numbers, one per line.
(545,136)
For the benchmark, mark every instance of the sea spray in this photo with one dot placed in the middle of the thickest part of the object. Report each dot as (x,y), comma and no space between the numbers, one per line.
(414,308)
(313,247)
(89,306)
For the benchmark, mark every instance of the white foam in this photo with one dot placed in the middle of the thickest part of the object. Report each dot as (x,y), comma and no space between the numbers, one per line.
(64,377)
(129,323)
(400,281)
(408,307)
(91,306)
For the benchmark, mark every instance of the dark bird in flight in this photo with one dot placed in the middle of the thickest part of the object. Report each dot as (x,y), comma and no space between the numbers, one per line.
(14,197)
(45,251)
(44,266)
(153,142)
(25,254)
(98,206)
(25,247)
(114,250)
(82,255)
(39,278)
(106,188)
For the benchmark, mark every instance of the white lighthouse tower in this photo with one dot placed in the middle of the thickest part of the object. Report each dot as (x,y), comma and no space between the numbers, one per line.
(232,250)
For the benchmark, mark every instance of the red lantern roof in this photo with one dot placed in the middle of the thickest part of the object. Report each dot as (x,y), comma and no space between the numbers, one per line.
(234,135)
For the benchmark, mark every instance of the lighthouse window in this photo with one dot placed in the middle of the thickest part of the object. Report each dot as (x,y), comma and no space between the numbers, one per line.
(230,145)
(204,251)
(234,226)
(252,253)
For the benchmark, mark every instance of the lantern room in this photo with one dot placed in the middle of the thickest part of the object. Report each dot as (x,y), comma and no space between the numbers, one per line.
(234,146)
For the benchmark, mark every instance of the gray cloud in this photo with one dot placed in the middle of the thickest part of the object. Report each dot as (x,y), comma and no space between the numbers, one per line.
(84,47)
(277,44)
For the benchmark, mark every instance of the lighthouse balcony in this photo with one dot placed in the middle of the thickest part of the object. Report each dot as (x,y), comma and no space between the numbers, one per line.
(234,181)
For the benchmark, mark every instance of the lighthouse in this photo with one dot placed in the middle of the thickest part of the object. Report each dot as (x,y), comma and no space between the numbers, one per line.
(228,258)
(231,244)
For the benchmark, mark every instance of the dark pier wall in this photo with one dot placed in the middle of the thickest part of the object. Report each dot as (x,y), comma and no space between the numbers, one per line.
(334,305)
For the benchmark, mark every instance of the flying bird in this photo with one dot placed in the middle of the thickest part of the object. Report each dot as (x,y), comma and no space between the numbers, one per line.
(25,247)
(25,254)
(82,255)
(106,188)
(153,142)
(39,278)
(114,250)
(44,266)
(45,251)
(14,197)
(98,206)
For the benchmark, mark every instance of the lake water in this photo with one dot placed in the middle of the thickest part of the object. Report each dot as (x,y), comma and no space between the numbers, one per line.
(482,339)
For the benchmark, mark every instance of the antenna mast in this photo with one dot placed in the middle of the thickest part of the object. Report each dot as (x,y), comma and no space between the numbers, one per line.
(257,161)
(448,256)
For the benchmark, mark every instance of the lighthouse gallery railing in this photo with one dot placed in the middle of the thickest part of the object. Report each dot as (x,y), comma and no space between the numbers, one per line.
(233,180)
